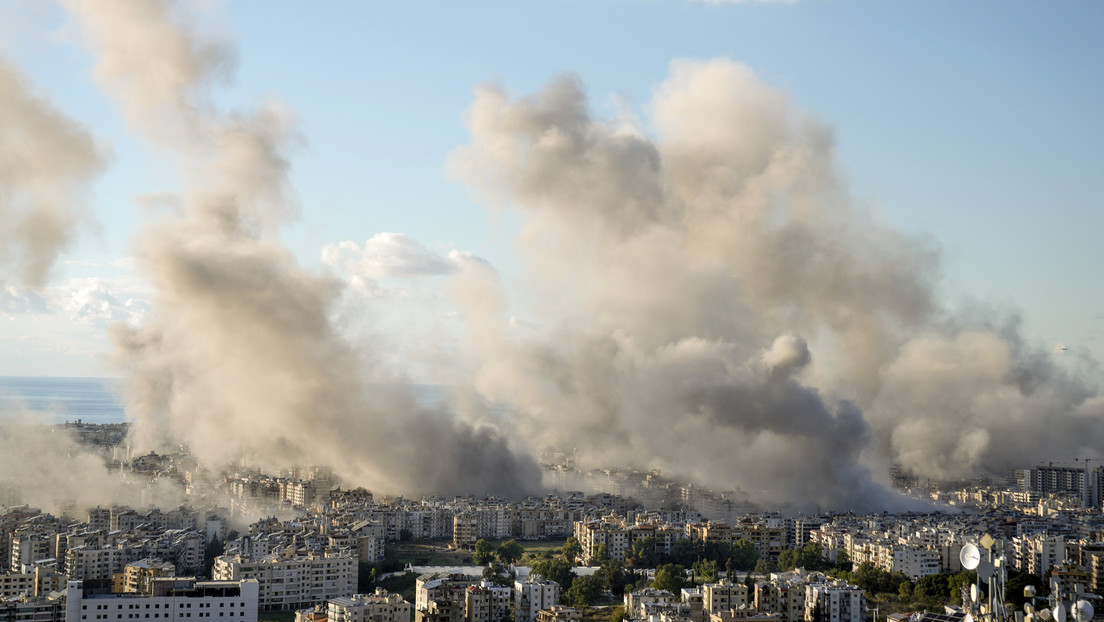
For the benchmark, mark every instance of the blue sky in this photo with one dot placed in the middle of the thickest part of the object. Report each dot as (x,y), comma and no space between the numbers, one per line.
(975,123)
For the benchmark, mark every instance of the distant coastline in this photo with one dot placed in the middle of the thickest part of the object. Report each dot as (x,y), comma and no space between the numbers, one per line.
(99,400)
(58,400)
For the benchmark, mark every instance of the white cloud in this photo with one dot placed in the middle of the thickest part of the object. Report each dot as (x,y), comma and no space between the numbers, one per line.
(18,300)
(97,301)
(386,256)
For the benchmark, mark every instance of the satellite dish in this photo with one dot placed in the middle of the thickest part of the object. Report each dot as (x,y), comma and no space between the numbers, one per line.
(970,556)
(1060,613)
(973,593)
(968,618)
(1082,611)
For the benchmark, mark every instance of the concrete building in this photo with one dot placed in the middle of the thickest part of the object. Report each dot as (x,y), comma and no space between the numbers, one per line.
(171,599)
(290,583)
(835,601)
(783,597)
(532,595)
(34,609)
(440,597)
(486,602)
(465,531)
(137,576)
(560,614)
(27,547)
(378,607)
(17,584)
(723,595)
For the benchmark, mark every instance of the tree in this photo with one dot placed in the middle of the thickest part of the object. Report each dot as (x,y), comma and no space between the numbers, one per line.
(572,549)
(669,577)
(584,591)
(1015,587)
(405,535)
(484,552)
(685,552)
(843,561)
(496,573)
(812,557)
(642,553)
(214,548)
(765,567)
(744,555)
(618,614)
(600,554)
(556,569)
(877,581)
(706,569)
(789,559)
(905,590)
(612,575)
(510,551)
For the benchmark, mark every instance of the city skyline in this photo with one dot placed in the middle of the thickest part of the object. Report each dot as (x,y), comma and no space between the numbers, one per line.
(719,271)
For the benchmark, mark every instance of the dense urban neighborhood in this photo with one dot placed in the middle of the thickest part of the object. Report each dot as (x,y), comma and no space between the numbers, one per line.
(635,546)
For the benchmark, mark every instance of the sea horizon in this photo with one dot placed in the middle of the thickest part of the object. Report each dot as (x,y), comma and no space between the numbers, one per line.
(90,399)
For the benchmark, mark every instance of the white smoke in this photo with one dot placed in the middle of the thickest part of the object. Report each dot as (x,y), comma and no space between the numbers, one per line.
(240,354)
(47,162)
(720,308)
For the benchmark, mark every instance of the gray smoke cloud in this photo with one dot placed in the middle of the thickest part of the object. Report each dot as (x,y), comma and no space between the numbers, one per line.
(45,467)
(47,162)
(240,355)
(721,308)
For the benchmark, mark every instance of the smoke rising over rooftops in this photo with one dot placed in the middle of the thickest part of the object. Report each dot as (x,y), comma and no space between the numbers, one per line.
(722,309)
(240,354)
(708,297)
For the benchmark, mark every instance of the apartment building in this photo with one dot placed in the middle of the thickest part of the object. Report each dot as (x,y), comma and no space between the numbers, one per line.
(378,607)
(533,594)
(486,602)
(834,601)
(784,597)
(723,595)
(292,582)
(172,599)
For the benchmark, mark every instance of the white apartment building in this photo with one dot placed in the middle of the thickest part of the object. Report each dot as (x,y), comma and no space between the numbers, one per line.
(1037,554)
(290,583)
(532,595)
(378,607)
(834,602)
(27,548)
(176,600)
(912,561)
(618,537)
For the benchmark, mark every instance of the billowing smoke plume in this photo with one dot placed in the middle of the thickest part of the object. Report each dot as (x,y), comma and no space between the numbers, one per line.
(721,309)
(71,477)
(240,356)
(47,162)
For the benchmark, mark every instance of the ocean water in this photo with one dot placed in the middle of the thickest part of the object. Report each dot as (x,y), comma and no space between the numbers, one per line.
(97,400)
(57,400)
